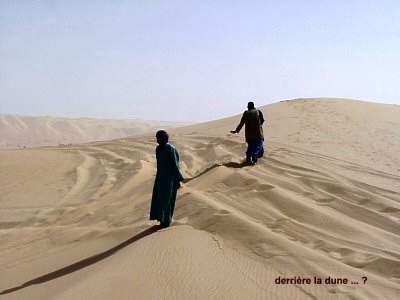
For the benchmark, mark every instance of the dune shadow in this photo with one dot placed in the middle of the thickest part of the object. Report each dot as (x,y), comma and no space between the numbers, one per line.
(83,263)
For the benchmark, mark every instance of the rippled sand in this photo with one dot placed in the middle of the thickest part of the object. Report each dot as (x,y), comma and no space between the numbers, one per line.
(323,202)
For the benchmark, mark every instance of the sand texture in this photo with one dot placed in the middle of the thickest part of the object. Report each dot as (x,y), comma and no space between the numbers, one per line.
(323,202)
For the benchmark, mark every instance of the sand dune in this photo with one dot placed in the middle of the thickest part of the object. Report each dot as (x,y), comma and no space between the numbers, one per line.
(324,202)
(18,131)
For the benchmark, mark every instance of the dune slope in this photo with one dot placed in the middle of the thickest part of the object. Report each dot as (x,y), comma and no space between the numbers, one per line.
(324,202)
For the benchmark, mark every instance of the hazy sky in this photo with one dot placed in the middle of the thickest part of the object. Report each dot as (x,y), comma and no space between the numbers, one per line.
(193,60)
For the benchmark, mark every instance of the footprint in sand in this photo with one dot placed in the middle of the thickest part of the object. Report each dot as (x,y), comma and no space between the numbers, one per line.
(389,210)
(353,258)
(266,187)
(277,225)
(224,212)
(324,201)
(182,221)
(340,253)
(318,244)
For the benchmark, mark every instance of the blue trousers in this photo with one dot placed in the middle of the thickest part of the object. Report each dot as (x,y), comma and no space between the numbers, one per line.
(255,149)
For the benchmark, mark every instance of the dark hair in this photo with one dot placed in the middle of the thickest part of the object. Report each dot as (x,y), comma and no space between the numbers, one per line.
(162,137)
(250,105)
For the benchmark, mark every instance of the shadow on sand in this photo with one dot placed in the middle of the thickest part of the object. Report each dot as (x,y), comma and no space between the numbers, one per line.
(83,263)
(230,164)
(236,165)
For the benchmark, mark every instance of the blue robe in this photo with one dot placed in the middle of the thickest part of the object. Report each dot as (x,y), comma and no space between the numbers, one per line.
(165,186)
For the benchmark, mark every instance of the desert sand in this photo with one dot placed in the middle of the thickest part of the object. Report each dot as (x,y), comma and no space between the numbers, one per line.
(323,202)
(18,131)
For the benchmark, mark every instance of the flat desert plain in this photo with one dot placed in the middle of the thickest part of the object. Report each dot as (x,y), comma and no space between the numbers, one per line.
(316,218)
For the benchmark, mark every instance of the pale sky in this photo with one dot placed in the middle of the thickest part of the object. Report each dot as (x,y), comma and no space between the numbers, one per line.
(192,60)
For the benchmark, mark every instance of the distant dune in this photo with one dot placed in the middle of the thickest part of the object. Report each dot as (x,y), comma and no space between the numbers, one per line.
(18,131)
(324,203)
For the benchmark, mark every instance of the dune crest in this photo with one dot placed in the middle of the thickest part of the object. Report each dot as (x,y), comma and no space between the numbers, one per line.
(324,202)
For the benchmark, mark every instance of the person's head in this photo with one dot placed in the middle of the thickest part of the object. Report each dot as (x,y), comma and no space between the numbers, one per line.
(250,105)
(162,137)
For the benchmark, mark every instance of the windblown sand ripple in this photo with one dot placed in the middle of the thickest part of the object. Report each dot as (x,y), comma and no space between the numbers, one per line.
(74,219)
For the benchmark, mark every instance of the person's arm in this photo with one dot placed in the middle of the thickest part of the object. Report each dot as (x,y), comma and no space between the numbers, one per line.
(242,122)
(261,117)
(175,165)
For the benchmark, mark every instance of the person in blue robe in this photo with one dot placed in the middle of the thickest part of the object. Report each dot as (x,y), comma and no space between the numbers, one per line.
(167,181)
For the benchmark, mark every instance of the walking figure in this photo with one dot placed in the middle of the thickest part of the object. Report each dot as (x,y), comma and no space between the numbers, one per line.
(253,120)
